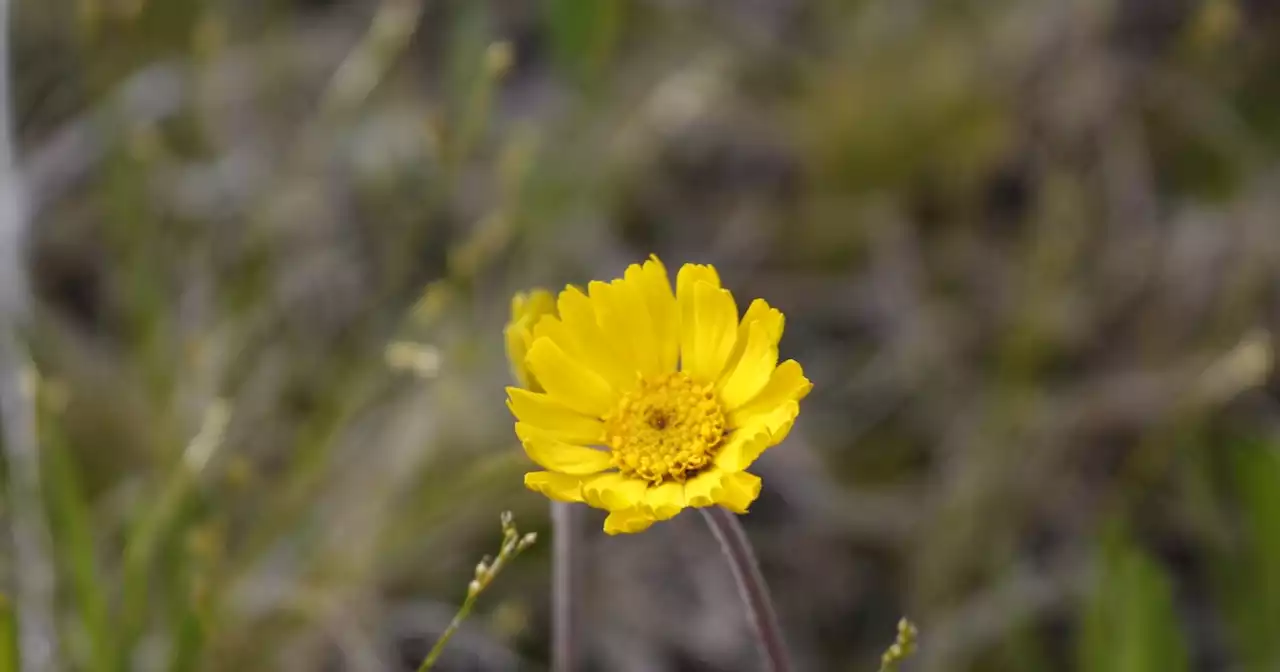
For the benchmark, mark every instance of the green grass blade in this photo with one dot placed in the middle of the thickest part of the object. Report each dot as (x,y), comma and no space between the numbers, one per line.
(72,529)
(1130,623)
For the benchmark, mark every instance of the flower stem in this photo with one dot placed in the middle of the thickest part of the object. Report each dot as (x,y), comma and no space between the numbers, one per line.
(755,594)
(565,573)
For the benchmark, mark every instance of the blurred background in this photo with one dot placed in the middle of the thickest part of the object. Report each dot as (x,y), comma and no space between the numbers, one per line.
(1028,251)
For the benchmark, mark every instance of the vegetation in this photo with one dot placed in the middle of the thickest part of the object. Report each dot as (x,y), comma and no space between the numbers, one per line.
(1027,251)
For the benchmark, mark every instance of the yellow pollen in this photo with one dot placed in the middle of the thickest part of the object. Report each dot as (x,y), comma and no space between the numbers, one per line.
(667,429)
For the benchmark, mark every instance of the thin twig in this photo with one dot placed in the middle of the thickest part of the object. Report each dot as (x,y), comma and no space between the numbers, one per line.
(755,594)
(33,568)
(513,543)
(565,579)
(368,62)
(463,612)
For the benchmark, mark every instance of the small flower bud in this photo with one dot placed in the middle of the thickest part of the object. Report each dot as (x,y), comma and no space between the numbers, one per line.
(473,588)
(902,648)
(527,541)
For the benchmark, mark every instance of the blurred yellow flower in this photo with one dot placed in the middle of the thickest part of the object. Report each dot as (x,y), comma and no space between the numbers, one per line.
(643,402)
(526,310)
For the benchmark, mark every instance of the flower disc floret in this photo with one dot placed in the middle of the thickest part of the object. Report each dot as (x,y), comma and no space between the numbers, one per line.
(667,429)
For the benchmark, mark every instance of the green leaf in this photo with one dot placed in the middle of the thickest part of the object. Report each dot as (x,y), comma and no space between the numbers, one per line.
(72,528)
(584,34)
(1253,581)
(1130,623)
(8,637)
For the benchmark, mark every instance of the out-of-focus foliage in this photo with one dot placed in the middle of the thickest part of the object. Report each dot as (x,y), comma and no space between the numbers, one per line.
(1028,249)
(1131,622)
(8,637)
(1250,571)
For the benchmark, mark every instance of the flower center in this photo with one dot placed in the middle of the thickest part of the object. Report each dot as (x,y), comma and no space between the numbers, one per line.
(667,429)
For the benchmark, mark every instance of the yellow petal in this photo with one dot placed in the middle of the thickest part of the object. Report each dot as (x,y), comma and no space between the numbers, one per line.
(614,492)
(742,448)
(575,308)
(587,340)
(555,455)
(652,288)
(589,348)
(704,489)
(690,275)
(709,329)
(665,501)
(632,308)
(753,370)
(622,309)
(787,383)
(517,342)
(568,381)
(560,487)
(777,425)
(759,311)
(666,314)
(613,314)
(557,420)
(780,422)
(526,310)
(746,444)
(694,273)
(628,521)
(740,490)
(536,303)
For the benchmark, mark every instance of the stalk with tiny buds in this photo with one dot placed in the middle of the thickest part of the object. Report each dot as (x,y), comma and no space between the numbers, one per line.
(902,647)
(513,544)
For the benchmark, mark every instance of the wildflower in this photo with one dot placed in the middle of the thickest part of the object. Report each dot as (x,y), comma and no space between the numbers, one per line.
(526,310)
(644,402)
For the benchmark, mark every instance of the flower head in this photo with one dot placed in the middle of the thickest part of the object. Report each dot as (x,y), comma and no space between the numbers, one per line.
(644,402)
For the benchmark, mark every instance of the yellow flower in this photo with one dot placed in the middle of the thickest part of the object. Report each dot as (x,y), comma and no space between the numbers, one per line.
(526,310)
(643,402)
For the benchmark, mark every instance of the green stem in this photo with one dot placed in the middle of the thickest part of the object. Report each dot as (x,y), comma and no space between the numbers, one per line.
(448,633)
(512,545)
